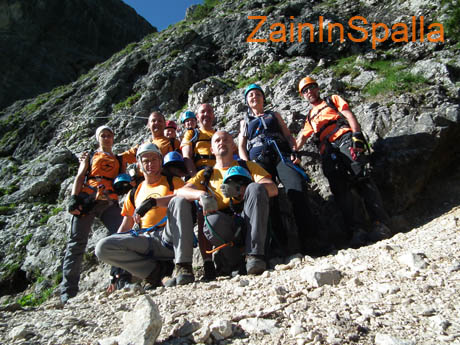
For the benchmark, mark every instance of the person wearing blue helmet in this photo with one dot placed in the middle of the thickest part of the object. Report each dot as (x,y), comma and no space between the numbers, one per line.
(188,120)
(225,191)
(265,138)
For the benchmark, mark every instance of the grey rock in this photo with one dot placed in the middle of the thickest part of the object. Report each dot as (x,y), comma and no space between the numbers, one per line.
(318,277)
(258,325)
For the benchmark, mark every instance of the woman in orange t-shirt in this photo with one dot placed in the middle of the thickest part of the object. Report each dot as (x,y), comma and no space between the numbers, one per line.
(92,196)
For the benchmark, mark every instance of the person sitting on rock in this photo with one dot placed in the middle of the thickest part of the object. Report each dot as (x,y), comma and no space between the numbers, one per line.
(265,139)
(231,201)
(153,231)
(196,147)
(156,123)
(92,196)
(341,144)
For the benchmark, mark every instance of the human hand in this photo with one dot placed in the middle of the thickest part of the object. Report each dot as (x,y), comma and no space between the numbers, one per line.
(209,204)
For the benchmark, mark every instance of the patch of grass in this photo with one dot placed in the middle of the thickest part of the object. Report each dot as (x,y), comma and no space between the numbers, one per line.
(34,299)
(275,69)
(202,11)
(40,100)
(452,29)
(9,190)
(394,78)
(127,103)
(53,212)
(6,209)
(345,66)
(26,240)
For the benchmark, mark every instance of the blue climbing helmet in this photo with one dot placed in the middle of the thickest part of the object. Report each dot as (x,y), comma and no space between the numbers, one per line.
(174,159)
(187,115)
(122,184)
(239,174)
(252,87)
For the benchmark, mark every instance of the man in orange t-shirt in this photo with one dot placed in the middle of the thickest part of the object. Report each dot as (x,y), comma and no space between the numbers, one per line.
(157,124)
(341,144)
(155,227)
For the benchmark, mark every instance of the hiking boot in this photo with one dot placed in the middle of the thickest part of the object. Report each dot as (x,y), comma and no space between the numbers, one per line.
(255,265)
(209,271)
(183,274)
(154,278)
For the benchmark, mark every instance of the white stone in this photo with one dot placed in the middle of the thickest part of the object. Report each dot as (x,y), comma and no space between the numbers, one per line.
(385,339)
(258,325)
(321,276)
(221,329)
(142,325)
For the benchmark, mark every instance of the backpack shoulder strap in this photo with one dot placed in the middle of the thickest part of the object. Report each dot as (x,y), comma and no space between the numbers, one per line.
(332,105)
(131,196)
(169,178)
(207,175)
(120,163)
(242,163)
(90,165)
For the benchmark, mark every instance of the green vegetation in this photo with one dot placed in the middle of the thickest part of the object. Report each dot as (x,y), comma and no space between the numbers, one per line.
(394,78)
(275,69)
(53,212)
(392,74)
(9,190)
(127,103)
(452,29)
(34,299)
(202,11)
(5,209)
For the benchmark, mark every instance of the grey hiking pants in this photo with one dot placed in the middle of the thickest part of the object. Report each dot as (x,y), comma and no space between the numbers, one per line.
(255,217)
(80,227)
(138,255)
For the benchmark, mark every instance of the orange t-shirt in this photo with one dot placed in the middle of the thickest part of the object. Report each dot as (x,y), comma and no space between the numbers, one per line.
(321,114)
(164,144)
(144,191)
(104,167)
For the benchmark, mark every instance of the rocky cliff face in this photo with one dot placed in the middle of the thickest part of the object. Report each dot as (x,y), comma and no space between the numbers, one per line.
(405,95)
(48,43)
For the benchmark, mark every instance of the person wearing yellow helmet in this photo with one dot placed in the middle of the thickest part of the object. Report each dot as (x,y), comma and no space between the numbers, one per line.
(337,134)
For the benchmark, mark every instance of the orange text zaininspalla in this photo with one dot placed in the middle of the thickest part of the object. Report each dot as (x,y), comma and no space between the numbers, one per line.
(379,32)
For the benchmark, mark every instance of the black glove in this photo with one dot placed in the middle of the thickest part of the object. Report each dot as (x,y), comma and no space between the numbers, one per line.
(145,206)
(358,141)
(75,203)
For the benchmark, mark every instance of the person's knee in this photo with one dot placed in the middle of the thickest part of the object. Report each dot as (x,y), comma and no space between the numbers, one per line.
(101,248)
(180,203)
(257,190)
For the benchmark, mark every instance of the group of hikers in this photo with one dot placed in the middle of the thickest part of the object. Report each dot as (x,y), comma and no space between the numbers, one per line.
(229,191)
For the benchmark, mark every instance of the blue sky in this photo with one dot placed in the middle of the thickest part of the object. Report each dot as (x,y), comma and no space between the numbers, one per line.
(162,13)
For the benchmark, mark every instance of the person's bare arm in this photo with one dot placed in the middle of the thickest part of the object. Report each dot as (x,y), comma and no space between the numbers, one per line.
(126,224)
(187,152)
(242,142)
(270,186)
(352,121)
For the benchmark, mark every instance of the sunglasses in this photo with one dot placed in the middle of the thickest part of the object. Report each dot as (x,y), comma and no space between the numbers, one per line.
(309,87)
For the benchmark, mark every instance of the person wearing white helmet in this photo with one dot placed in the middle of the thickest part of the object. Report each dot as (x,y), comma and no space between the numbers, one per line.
(92,196)
(151,236)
